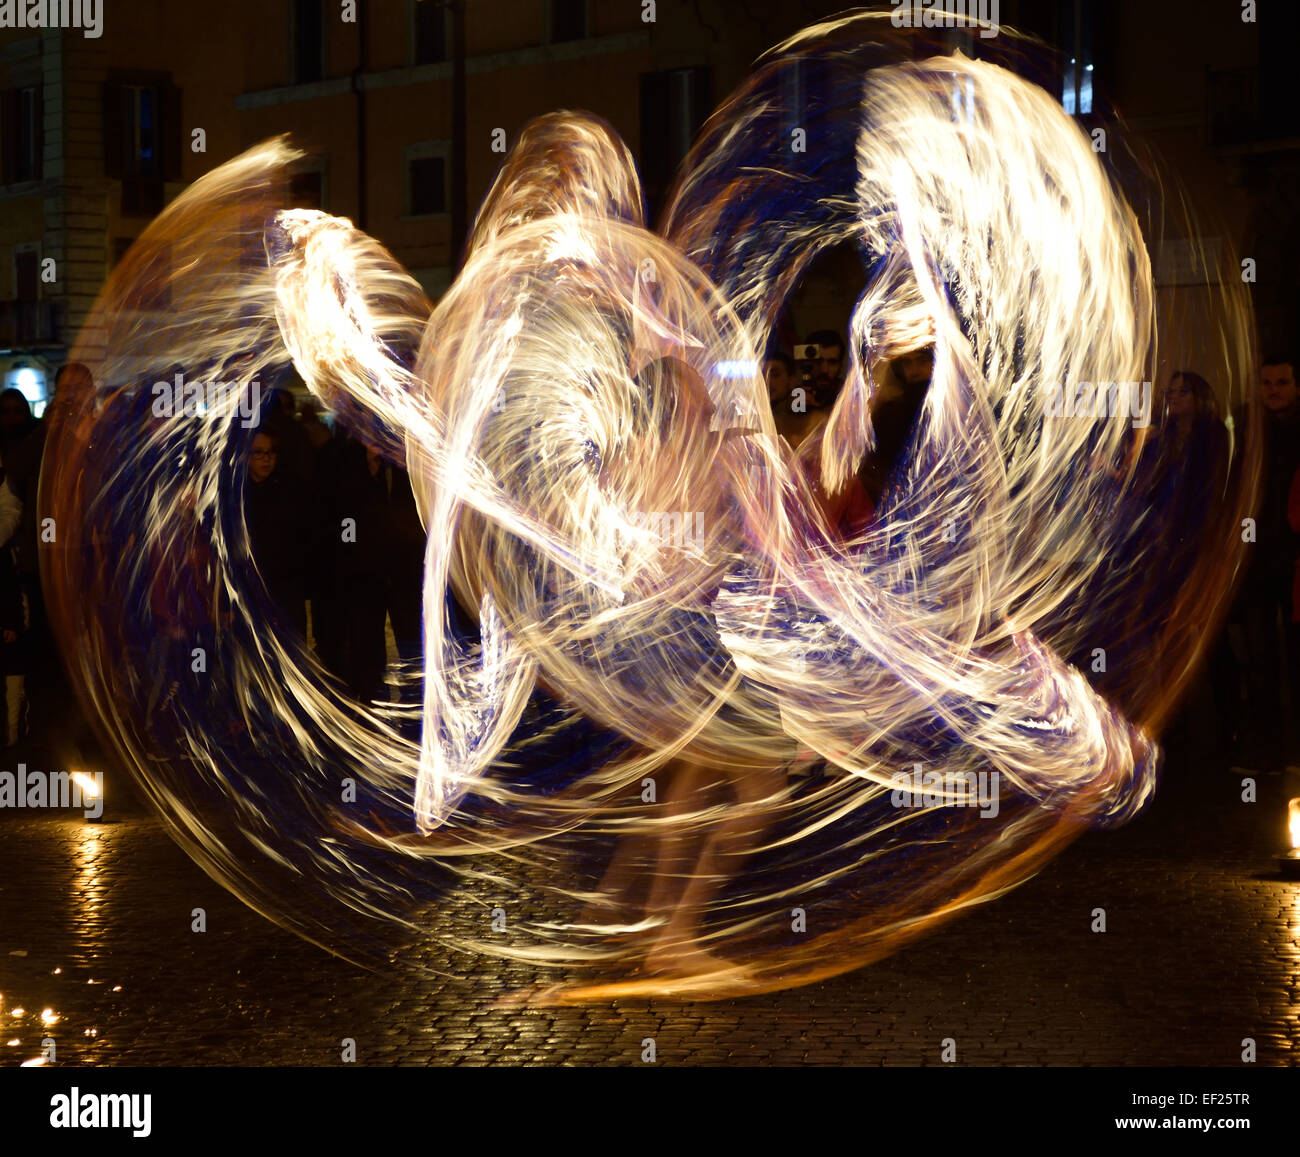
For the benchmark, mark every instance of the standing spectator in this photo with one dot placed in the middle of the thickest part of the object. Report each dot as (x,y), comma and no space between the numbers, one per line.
(281,530)
(1293,622)
(16,429)
(313,426)
(1181,477)
(793,410)
(1185,463)
(52,708)
(1265,598)
(893,414)
(16,422)
(379,567)
(827,366)
(327,611)
(294,452)
(13,620)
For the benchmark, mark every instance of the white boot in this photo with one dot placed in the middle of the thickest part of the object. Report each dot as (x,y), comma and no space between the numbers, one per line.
(13,708)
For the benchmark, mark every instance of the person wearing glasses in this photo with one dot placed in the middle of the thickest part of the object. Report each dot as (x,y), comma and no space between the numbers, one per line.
(276,513)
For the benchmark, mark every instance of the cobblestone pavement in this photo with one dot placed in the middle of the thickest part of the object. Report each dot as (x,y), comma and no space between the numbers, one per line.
(1202,949)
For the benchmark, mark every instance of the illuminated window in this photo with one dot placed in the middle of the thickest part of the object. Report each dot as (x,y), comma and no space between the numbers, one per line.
(1076,28)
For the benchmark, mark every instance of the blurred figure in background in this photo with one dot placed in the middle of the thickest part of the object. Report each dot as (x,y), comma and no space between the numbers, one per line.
(377,547)
(313,426)
(16,422)
(1182,474)
(893,414)
(16,427)
(1185,461)
(793,408)
(1263,605)
(54,716)
(13,617)
(827,367)
(294,455)
(280,529)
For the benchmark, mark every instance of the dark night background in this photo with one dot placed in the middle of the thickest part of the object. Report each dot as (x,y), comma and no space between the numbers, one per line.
(397,112)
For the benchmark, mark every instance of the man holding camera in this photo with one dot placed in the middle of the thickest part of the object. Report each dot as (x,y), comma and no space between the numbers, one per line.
(823,354)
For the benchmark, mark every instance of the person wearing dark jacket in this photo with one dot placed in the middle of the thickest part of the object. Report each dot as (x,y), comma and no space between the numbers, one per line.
(378,564)
(1264,601)
(327,612)
(54,715)
(13,624)
(16,422)
(294,451)
(281,531)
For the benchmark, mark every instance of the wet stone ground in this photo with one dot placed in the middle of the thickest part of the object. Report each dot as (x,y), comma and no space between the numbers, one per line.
(1201,950)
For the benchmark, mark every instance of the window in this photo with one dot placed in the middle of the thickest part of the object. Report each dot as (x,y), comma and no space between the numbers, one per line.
(20,134)
(430,31)
(142,138)
(428,186)
(308,39)
(307,189)
(674,104)
(568,20)
(1076,95)
(27,267)
(140,118)
(142,192)
(428,170)
(1076,22)
(1276,90)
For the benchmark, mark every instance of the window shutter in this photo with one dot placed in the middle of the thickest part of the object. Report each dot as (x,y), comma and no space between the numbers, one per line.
(38,132)
(171,135)
(9,135)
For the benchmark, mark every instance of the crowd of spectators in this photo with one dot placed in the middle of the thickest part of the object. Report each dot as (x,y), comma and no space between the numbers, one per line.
(337,538)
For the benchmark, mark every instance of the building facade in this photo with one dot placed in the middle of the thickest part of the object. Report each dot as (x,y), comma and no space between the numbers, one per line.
(98,133)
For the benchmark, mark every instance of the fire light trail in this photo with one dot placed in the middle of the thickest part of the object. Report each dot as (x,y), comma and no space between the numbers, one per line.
(667,614)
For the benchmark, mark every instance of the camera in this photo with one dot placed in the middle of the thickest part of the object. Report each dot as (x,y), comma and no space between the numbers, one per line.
(805,353)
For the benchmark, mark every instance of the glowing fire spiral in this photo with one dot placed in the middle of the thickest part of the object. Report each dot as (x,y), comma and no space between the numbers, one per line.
(667,614)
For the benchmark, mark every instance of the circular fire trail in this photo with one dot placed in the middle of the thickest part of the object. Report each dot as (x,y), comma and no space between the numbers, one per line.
(641,608)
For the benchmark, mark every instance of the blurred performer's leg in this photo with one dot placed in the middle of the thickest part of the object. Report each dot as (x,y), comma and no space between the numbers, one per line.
(683,890)
(405,609)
